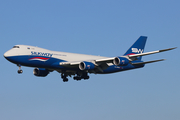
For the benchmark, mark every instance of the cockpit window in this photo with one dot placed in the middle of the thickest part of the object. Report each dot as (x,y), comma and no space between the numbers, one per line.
(16,47)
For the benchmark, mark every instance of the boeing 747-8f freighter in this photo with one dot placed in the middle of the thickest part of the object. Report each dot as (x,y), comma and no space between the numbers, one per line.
(78,65)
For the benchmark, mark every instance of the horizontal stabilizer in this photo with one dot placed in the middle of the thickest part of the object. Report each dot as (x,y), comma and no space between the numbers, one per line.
(140,63)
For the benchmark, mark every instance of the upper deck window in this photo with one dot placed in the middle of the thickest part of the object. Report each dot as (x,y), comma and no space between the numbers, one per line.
(16,47)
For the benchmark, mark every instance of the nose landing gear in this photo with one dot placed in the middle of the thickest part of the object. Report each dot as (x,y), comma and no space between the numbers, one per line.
(19,71)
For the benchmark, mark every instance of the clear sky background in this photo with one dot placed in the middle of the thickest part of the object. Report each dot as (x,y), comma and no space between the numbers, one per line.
(96,27)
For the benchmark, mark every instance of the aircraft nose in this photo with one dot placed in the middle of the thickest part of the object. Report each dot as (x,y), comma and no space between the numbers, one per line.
(9,55)
(6,54)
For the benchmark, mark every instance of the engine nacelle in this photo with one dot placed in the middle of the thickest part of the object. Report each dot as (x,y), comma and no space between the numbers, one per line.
(40,72)
(120,61)
(86,66)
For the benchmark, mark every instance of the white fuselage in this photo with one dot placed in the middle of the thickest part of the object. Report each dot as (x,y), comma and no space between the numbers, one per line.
(25,50)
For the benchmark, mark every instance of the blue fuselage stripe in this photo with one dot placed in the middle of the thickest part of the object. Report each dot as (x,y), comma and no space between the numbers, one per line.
(53,63)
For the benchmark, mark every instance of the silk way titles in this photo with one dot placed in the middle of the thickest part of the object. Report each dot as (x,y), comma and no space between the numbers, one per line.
(41,54)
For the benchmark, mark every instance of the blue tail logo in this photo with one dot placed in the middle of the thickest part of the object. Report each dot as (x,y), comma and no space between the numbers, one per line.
(137,47)
(135,50)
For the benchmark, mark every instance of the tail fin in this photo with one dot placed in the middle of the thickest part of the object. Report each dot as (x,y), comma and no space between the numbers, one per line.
(137,47)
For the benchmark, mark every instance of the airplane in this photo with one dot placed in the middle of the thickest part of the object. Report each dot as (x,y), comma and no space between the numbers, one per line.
(78,65)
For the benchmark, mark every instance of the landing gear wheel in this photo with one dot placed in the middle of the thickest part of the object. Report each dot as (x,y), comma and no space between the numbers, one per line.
(20,71)
(77,78)
(86,77)
(64,77)
(65,80)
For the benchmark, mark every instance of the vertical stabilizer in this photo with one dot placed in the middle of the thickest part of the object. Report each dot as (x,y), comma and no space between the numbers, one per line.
(137,47)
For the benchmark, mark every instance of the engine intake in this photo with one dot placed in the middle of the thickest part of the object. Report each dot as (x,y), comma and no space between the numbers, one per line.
(86,66)
(120,61)
(40,72)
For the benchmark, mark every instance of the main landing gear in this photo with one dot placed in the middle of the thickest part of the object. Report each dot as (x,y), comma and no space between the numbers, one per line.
(64,77)
(76,77)
(83,76)
(19,71)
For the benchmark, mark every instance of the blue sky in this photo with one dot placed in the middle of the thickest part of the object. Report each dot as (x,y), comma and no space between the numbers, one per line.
(96,27)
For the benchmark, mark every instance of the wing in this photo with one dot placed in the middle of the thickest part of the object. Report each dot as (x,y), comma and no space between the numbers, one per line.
(100,64)
(99,61)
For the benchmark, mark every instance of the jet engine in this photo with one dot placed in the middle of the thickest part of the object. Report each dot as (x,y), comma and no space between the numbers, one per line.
(120,61)
(86,66)
(40,72)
